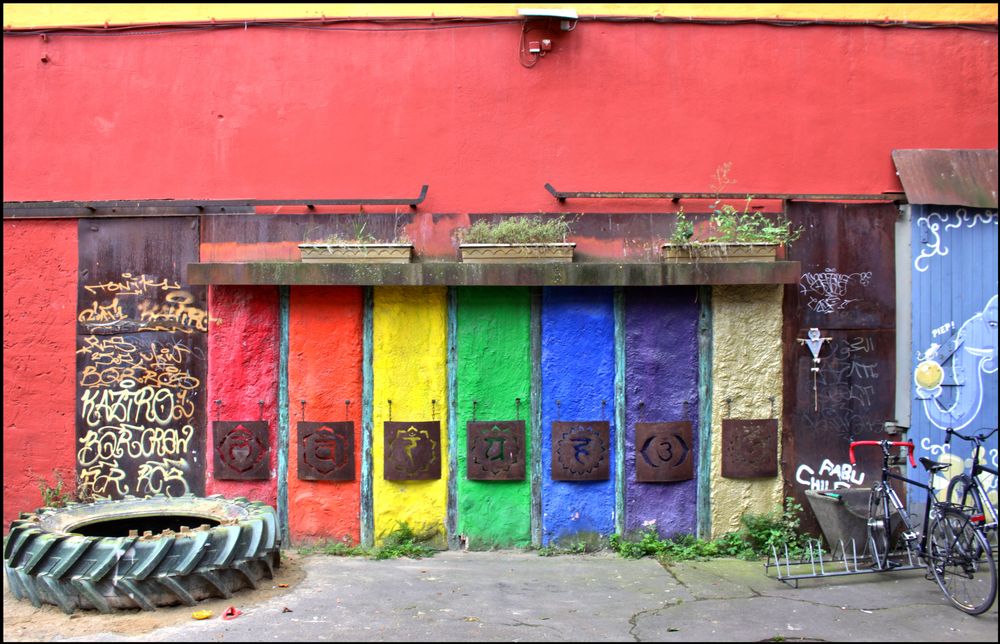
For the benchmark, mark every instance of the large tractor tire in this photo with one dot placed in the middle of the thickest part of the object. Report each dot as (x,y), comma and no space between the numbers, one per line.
(140,553)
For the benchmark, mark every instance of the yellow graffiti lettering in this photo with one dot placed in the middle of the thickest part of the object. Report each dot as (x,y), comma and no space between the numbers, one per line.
(96,483)
(147,405)
(130,285)
(163,477)
(103,315)
(178,310)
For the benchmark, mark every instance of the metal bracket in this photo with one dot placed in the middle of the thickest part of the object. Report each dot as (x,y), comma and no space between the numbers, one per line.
(173,207)
(676,196)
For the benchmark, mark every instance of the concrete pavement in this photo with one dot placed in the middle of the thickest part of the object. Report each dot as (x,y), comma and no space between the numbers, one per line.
(521,596)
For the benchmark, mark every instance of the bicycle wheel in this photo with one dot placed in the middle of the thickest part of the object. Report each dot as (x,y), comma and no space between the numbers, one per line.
(962,489)
(962,563)
(879,526)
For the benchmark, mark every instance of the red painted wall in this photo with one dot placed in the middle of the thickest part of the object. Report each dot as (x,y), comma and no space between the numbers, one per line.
(271,113)
(39,365)
(324,369)
(243,349)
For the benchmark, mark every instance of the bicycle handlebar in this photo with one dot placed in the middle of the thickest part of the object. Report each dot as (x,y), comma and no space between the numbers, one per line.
(909,445)
(949,432)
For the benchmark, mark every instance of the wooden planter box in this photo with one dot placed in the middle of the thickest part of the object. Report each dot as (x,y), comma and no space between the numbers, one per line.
(319,253)
(720,252)
(516,253)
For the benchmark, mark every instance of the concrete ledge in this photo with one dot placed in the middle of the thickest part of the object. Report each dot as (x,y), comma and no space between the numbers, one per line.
(700,273)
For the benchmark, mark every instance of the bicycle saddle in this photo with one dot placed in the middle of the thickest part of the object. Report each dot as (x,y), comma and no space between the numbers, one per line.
(932,466)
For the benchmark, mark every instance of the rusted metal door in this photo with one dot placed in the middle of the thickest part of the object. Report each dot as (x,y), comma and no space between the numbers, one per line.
(141,362)
(848,293)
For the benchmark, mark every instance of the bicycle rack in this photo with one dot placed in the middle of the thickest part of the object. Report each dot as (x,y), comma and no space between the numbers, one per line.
(841,561)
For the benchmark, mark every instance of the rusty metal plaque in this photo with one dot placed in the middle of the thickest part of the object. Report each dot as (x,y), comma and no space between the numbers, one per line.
(749,448)
(581,450)
(326,451)
(663,452)
(496,450)
(242,450)
(412,451)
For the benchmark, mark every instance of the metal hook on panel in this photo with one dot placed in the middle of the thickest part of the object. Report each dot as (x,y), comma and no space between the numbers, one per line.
(390,411)
(474,403)
(685,405)
(260,410)
(729,407)
(772,406)
(433,412)
(517,409)
(604,404)
(558,409)
(303,401)
(218,410)
(642,411)
(347,410)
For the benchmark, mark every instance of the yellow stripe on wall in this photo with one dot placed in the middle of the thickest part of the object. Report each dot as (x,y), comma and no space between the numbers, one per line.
(409,368)
(22,15)
(747,369)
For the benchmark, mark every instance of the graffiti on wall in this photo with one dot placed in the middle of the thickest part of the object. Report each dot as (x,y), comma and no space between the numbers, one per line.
(138,379)
(949,374)
(827,292)
(847,388)
(954,352)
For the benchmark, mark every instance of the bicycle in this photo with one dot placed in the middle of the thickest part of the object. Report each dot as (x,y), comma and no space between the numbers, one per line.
(967,490)
(954,551)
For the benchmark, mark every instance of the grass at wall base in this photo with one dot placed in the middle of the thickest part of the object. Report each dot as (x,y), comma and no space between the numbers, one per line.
(754,539)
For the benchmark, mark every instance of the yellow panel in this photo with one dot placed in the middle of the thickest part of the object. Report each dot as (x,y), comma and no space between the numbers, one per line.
(409,368)
(746,368)
(20,15)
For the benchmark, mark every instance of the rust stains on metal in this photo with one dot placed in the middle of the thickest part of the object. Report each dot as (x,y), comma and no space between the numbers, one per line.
(496,450)
(663,452)
(948,177)
(326,451)
(749,448)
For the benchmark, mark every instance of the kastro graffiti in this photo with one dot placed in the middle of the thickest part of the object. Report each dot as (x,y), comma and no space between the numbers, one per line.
(137,392)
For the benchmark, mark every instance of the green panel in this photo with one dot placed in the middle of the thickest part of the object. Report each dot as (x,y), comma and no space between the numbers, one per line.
(493,363)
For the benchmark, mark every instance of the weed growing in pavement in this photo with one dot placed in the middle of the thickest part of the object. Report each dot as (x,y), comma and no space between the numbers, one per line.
(752,541)
(402,542)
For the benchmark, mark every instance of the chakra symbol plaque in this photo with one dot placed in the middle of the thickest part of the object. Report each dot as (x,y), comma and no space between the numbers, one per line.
(242,450)
(412,451)
(326,451)
(663,452)
(581,450)
(496,450)
(749,448)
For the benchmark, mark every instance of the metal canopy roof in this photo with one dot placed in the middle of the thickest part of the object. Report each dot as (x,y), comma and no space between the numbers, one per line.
(948,177)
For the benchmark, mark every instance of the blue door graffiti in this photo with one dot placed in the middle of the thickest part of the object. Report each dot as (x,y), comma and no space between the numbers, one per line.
(954,348)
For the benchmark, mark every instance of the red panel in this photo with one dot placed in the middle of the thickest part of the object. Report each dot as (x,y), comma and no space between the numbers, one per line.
(243,349)
(324,369)
(295,113)
(39,372)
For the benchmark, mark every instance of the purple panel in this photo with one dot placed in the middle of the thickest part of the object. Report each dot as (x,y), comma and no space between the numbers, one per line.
(661,375)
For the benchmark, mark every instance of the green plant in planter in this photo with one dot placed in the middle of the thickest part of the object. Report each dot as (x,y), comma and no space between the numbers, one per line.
(516,230)
(731,225)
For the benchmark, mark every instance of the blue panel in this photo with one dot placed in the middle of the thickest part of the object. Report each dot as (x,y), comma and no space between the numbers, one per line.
(578,370)
(954,352)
